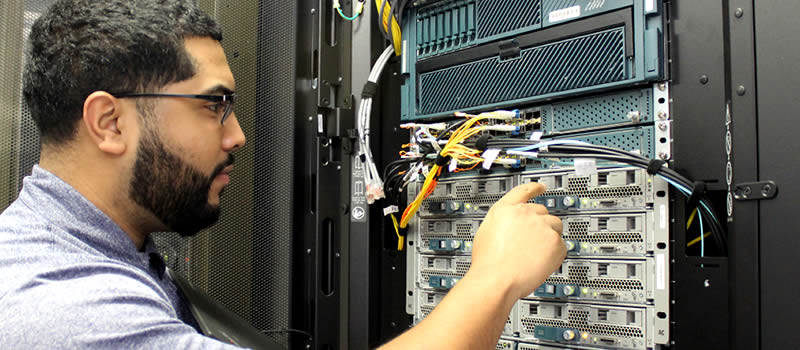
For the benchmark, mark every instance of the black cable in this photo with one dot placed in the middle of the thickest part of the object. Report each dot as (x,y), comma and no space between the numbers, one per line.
(287,330)
(636,160)
(450,128)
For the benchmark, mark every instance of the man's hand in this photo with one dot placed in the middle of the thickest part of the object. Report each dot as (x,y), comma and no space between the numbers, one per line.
(516,248)
(519,241)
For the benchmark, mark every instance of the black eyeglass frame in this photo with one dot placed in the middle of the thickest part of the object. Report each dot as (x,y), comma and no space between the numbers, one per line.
(229,98)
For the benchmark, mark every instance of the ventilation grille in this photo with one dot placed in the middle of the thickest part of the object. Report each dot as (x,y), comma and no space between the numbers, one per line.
(461,269)
(579,187)
(579,320)
(449,26)
(638,140)
(580,62)
(503,16)
(579,275)
(605,237)
(598,111)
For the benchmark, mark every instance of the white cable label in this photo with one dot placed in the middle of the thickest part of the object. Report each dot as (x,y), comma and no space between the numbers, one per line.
(585,166)
(661,271)
(536,135)
(489,156)
(453,165)
(390,210)
(565,14)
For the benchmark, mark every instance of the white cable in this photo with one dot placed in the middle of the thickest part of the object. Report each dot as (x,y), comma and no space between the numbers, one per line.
(374,184)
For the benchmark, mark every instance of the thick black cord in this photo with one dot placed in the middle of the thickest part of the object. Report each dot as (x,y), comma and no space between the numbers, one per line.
(450,128)
(288,330)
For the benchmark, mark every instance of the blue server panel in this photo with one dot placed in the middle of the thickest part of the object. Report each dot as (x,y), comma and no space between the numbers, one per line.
(483,54)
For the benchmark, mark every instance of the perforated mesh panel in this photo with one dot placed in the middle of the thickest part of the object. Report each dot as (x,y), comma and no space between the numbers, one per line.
(578,319)
(598,111)
(579,274)
(19,138)
(565,65)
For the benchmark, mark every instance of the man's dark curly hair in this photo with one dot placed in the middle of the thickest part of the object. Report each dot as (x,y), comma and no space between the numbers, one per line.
(78,47)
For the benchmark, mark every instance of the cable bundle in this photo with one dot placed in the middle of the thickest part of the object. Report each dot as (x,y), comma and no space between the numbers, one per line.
(374,184)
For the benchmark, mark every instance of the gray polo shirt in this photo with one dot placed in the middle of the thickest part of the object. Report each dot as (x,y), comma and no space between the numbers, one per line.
(70,278)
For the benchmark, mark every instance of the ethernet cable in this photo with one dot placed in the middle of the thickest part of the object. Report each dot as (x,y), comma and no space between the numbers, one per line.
(358,10)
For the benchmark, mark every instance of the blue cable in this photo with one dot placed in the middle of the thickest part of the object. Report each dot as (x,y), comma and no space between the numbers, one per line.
(702,235)
(347,18)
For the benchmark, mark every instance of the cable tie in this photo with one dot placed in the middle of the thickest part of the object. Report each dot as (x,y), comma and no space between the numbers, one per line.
(585,167)
(489,156)
(441,161)
(536,135)
(369,90)
(698,192)
(655,166)
(483,142)
(390,210)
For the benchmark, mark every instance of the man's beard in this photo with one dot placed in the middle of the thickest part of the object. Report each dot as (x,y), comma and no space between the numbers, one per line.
(173,190)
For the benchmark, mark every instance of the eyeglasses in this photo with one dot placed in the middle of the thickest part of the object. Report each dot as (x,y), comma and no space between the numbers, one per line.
(224,105)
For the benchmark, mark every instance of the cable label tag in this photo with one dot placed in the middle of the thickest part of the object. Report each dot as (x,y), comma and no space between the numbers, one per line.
(390,210)
(453,165)
(536,135)
(489,156)
(585,166)
(661,275)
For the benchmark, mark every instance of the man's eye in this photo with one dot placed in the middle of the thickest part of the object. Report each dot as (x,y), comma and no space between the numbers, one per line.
(215,107)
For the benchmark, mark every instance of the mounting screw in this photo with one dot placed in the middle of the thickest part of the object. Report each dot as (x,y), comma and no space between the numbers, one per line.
(662,87)
(325,101)
(747,191)
(308,251)
(340,80)
(338,167)
(310,119)
(313,11)
(740,90)
(338,255)
(704,79)
(766,189)
(739,12)
(707,283)
(662,115)
(663,155)
(662,126)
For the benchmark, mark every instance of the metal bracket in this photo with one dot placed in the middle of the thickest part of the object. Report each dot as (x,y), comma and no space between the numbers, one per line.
(750,191)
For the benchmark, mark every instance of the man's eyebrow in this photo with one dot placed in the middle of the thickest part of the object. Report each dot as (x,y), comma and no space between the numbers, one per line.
(218,89)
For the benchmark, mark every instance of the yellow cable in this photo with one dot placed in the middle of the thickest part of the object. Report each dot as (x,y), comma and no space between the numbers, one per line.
(691,217)
(694,241)
(396,33)
(462,133)
(400,239)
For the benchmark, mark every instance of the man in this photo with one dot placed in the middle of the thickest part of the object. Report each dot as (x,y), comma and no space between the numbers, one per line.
(133,101)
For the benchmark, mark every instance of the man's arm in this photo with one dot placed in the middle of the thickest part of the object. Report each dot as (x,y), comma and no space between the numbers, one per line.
(516,248)
(94,306)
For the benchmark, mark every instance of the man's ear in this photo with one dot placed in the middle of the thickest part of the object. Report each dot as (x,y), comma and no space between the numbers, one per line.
(103,118)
